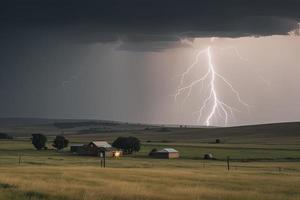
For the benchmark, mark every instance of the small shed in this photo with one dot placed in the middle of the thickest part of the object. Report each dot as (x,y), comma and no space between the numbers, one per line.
(208,156)
(165,153)
(75,148)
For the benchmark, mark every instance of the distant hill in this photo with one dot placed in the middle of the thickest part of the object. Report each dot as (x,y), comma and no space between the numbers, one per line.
(265,133)
(27,126)
(288,132)
(13,122)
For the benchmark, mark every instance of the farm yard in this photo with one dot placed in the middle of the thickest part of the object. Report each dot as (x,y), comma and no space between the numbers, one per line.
(265,167)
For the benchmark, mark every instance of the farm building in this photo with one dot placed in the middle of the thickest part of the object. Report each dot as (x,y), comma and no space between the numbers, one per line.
(75,148)
(165,153)
(95,148)
(208,156)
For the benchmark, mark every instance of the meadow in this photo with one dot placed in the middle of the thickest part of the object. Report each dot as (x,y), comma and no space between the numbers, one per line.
(257,171)
(264,163)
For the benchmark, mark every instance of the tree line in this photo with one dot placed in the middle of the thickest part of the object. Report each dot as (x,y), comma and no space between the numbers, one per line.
(127,144)
(39,141)
(5,136)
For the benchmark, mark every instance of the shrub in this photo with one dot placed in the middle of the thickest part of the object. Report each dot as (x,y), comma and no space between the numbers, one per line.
(208,156)
(5,136)
(164,129)
(152,151)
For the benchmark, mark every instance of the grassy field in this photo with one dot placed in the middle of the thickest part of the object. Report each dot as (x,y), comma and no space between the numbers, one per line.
(265,163)
(257,172)
(78,182)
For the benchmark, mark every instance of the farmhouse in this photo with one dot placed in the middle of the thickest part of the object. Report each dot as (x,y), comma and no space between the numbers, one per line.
(95,148)
(165,153)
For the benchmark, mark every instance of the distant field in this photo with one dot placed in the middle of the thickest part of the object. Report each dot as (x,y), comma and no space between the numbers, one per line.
(12,148)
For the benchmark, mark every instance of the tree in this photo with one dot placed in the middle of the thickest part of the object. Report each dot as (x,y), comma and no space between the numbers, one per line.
(39,141)
(60,142)
(127,144)
(5,136)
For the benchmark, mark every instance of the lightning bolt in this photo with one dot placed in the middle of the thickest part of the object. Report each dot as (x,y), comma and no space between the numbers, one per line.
(212,103)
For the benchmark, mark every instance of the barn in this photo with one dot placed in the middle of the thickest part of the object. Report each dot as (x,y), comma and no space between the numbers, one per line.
(95,148)
(165,153)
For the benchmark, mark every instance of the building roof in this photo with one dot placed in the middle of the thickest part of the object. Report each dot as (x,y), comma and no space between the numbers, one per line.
(76,145)
(103,144)
(168,150)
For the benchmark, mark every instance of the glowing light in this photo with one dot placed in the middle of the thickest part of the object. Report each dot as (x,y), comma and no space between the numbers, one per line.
(212,104)
(117,154)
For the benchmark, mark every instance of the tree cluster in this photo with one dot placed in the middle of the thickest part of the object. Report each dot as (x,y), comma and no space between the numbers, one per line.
(39,141)
(127,144)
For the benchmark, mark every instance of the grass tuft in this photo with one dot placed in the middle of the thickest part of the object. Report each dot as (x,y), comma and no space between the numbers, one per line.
(35,195)
(6,186)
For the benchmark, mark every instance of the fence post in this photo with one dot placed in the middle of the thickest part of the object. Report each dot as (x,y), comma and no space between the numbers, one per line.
(19,159)
(228,166)
(104,159)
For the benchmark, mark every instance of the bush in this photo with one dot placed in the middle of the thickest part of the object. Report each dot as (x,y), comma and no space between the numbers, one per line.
(5,136)
(218,141)
(152,151)
(164,129)
(208,156)
(127,144)
(60,142)
(39,141)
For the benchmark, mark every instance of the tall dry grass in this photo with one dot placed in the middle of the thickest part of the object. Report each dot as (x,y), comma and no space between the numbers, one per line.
(85,183)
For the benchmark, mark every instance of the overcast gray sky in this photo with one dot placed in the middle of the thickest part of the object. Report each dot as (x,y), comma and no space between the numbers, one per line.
(76,60)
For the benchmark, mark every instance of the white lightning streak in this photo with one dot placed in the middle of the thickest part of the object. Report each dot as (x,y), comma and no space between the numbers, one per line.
(213,89)
(212,103)
(185,73)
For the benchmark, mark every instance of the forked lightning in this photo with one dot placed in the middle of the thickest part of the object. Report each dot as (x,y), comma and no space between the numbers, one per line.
(213,109)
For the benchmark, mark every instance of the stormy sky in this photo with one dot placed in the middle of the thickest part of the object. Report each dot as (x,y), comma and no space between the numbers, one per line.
(120,60)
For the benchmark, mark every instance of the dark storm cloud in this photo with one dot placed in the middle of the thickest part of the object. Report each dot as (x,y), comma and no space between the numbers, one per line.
(141,23)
